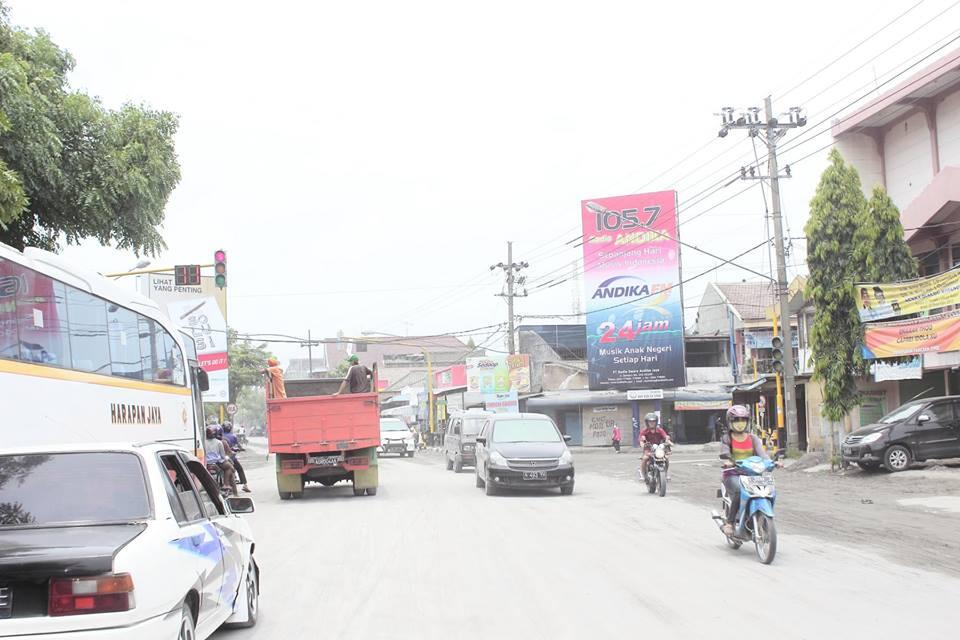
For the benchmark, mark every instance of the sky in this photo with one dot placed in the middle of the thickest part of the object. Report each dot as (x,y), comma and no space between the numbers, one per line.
(363,164)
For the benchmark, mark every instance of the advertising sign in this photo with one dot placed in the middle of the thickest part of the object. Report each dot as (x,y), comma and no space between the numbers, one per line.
(201,312)
(499,374)
(882,301)
(502,402)
(909,370)
(909,337)
(631,265)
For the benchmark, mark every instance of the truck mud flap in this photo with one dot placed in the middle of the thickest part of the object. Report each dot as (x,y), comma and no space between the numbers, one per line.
(367,478)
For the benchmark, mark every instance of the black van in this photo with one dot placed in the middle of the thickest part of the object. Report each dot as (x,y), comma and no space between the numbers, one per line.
(459,444)
(917,431)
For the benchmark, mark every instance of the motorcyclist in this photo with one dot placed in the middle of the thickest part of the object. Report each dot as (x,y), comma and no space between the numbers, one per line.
(230,439)
(216,454)
(652,434)
(737,444)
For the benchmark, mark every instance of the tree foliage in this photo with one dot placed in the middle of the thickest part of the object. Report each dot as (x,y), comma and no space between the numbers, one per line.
(836,334)
(880,252)
(71,168)
(339,371)
(247,362)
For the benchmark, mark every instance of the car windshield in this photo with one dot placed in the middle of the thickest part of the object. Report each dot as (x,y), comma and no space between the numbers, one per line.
(472,426)
(901,413)
(525,431)
(393,425)
(67,488)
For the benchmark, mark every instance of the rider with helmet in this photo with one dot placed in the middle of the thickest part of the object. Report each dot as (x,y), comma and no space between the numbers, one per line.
(652,434)
(216,454)
(737,444)
(231,444)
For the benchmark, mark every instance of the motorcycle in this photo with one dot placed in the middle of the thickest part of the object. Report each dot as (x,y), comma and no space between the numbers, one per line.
(217,474)
(656,478)
(754,519)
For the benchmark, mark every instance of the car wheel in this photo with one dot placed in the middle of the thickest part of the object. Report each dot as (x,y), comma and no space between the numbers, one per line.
(285,495)
(479,481)
(457,465)
(410,454)
(897,458)
(869,467)
(449,464)
(252,590)
(372,491)
(567,490)
(489,488)
(188,628)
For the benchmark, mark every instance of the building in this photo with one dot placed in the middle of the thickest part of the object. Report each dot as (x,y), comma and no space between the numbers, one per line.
(908,141)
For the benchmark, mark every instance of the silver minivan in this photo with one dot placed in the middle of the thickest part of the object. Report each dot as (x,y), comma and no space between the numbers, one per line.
(459,445)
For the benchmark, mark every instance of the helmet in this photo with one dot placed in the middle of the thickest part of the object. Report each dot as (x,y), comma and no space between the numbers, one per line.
(738,418)
(217,431)
(651,417)
(228,426)
(211,432)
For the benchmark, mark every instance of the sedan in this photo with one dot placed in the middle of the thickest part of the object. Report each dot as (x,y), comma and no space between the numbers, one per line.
(523,451)
(123,541)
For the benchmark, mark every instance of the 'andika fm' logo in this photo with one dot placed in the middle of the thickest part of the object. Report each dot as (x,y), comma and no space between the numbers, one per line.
(627,287)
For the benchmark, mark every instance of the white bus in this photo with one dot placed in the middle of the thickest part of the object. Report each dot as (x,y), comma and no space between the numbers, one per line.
(82,360)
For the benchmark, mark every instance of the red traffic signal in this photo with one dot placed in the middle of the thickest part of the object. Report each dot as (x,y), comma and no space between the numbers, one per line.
(220,268)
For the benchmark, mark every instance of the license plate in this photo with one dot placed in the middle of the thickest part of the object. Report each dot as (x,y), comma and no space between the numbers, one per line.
(847,451)
(326,461)
(534,475)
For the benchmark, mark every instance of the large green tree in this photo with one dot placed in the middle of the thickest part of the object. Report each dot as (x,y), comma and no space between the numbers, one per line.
(836,334)
(247,362)
(71,168)
(880,253)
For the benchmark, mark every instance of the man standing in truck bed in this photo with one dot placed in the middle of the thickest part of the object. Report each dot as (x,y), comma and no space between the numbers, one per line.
(358,378)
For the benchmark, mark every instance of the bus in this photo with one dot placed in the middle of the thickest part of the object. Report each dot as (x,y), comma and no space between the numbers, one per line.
(82,360)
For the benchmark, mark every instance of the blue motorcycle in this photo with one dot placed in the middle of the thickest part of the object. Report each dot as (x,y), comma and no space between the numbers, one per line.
(754,520)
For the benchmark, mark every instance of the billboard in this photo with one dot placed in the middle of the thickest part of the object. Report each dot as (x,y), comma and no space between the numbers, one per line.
(498,374)
(201,312)
(876,301)
(506,402)
(631,266)
(909,337)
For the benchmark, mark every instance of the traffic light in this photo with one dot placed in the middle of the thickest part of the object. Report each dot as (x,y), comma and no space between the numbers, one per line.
(186,275)
(777,354)
(220,268)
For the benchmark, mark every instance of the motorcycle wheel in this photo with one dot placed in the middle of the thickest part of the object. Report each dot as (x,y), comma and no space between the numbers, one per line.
(661,483)
(764,537)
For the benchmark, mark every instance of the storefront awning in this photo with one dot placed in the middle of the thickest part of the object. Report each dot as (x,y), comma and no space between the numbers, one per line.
(692,394)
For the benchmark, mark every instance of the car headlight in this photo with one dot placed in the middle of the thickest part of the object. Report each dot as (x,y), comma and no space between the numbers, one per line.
(873,437)
(566,457)
(497,458)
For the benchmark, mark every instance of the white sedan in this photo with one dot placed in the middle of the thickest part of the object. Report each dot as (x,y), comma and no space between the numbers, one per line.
(125,541)
(396,437)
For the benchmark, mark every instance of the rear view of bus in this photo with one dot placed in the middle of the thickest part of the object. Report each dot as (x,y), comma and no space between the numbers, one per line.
(84,361)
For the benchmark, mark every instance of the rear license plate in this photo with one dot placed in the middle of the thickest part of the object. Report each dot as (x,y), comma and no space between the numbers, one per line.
(534,475)
(847,451)
(326,461)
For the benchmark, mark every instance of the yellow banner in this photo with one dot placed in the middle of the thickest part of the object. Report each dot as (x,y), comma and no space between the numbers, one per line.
(877,301)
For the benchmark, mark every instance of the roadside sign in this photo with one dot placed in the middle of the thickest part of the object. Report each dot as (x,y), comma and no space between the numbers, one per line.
(231,409)
(645,394)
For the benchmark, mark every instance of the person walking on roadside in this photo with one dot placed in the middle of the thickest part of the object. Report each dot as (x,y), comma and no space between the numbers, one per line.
(616,437)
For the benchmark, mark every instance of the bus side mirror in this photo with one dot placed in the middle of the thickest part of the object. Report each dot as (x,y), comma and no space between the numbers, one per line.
(203,380)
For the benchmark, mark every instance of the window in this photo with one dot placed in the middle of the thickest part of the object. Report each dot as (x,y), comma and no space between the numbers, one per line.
(149,349)
(190,345)
(89,345)
(941,413)
(42,320)
(471,426)
(209,494)
(123,330)
(523,430)
(66,488)
(172,362)
(11,281)
(930,263)
(189,506)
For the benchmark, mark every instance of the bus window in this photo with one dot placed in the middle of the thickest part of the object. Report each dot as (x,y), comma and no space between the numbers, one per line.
(149,351)
(173,359)
(123,328)
(42,320)
(10,284)
(88,332)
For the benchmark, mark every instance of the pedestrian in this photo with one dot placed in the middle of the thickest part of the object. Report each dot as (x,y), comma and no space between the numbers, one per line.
(616,437)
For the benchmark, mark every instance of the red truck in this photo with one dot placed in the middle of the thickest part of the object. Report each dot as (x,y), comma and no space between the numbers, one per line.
(319,437)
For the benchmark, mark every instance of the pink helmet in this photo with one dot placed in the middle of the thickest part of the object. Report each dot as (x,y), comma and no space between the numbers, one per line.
(738,412)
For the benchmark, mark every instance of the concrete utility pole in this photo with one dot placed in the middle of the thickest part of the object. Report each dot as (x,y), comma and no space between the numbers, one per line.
(770,131)
(511,269)
(310,344)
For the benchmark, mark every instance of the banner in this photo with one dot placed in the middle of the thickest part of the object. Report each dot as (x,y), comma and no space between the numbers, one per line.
(702,405)
(499,374)
(201,312)
(634,298)
(909,337)
(502,402)
(910,370)
(882,301)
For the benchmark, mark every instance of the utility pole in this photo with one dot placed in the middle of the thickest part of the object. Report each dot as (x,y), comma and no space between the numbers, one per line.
(771,130)
(310,344)
(511,269)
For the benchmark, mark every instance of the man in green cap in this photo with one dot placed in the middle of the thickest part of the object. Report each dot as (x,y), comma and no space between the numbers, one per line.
(358,378)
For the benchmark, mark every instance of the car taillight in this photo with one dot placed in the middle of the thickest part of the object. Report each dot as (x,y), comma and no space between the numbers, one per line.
(102,594)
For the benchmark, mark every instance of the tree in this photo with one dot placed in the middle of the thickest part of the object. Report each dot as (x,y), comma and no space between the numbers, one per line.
(836,334)
(880,253)
(247,362)
(340,371)
(252,406)
(69,167)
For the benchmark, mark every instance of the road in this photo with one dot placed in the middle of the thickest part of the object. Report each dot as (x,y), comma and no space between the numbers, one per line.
(432,557)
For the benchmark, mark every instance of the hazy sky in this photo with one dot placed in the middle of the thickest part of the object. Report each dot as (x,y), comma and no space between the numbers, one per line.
(363,163)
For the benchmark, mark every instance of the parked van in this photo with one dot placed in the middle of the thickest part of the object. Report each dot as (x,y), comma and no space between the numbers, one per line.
(459,445)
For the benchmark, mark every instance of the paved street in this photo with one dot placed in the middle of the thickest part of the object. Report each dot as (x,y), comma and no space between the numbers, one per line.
(432,557)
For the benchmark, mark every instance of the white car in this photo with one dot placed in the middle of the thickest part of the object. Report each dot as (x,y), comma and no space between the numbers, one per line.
(396,437)
(126,541)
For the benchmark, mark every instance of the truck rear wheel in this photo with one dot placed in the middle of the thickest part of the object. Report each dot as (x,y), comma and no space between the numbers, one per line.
(371,491)
(357,491)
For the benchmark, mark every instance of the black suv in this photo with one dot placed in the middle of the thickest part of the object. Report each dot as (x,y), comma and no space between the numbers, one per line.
(919,430)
